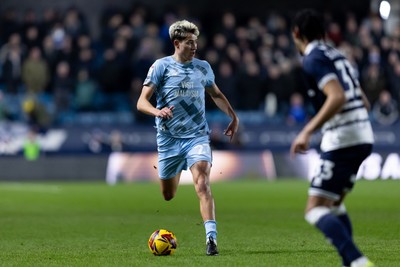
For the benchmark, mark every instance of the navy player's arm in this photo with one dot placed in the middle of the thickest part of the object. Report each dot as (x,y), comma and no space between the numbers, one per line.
(365,100)
(335,99)
(223,104)
(144,105)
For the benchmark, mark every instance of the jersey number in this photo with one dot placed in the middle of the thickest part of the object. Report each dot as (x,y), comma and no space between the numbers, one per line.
(323,172)
(347,73)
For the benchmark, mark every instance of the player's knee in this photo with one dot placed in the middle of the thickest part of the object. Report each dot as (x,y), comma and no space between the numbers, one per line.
(316,213)
(202,187)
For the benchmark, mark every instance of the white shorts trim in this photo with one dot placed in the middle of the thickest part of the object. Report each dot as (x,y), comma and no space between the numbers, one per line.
(323,193)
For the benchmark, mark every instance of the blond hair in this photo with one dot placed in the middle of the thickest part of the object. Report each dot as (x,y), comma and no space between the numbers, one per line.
(180,29)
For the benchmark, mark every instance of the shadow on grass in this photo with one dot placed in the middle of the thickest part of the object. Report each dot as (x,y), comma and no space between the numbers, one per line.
(276,251)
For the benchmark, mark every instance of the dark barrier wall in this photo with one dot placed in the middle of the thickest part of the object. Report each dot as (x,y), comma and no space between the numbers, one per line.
(54,168)
(103,139)
(82,152)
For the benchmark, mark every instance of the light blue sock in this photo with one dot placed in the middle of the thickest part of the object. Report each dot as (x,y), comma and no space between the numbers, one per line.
(211,229)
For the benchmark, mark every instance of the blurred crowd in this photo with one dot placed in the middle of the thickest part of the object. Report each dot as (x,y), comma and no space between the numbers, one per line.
(53,70)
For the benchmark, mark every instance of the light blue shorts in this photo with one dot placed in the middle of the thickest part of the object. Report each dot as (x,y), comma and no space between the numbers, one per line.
(177,154)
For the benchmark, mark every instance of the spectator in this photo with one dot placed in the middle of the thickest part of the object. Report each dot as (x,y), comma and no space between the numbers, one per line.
(36,115)
(227,27)
(385,110)
(394,84)
(250,87)
(86,92)
(50,54)
(297,111)
(32,37)
(110,29)
(373,82)
(86,60)
(35,72)
(351,31)
(114,82)
(50,17)
(5,113)
(227,81)
(280,85)
(63,89)
(11,56)
(74,23)
(334,33)
(31,146)
(137,37)
(9,24)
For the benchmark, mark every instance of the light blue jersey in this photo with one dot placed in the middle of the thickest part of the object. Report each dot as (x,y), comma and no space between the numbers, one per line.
(181,86)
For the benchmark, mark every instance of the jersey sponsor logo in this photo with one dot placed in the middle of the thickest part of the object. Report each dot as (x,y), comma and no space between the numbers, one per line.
(186,93)
(187,85)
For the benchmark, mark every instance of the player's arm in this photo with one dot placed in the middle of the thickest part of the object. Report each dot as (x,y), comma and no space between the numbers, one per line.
(223,104)
(335,99)
(144,105)
(365,101)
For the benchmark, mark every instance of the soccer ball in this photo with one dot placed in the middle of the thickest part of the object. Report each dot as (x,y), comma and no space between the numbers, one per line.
(162,242)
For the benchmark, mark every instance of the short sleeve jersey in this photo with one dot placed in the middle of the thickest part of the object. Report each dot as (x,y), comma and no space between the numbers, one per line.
(351,126)
(182,86)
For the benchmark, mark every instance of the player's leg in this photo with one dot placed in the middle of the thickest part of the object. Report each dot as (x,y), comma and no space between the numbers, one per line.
(201,179)
(335,177)
(169,186)
(199,160)
(201,173)
(339,209)
(170,165)
(319,213)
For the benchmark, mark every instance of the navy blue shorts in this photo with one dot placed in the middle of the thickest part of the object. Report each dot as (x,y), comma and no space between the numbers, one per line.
(337,170)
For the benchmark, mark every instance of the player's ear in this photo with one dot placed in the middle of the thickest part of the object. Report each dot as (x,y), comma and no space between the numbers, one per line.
(296,32)
(176,43)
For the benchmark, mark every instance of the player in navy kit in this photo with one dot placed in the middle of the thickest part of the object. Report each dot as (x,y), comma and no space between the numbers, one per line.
(347,137)
(180,82)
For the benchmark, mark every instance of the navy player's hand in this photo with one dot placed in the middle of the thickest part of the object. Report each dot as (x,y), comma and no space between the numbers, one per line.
(300,144)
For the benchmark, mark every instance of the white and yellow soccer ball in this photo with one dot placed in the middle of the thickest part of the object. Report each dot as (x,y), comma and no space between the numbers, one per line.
(162,242)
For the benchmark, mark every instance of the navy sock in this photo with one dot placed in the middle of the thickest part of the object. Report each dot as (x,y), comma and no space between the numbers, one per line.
(344,218)
(336,231)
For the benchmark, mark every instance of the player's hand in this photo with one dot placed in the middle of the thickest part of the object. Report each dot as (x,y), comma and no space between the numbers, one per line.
(232,129)
(166,113)
(300,144)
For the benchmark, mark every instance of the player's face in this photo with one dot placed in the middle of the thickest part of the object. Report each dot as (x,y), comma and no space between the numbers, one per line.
(187,48)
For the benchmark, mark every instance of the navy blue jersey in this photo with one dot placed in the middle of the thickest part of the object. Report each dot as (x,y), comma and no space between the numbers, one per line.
(351,126)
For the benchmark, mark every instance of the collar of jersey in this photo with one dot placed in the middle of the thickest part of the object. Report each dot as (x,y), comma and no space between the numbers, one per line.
(311,46)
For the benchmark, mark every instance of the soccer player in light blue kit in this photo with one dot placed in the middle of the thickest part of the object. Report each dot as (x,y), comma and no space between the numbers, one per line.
(180,82)
(347,137)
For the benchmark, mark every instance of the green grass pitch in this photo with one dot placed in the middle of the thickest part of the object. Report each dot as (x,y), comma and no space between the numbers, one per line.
(260,223)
